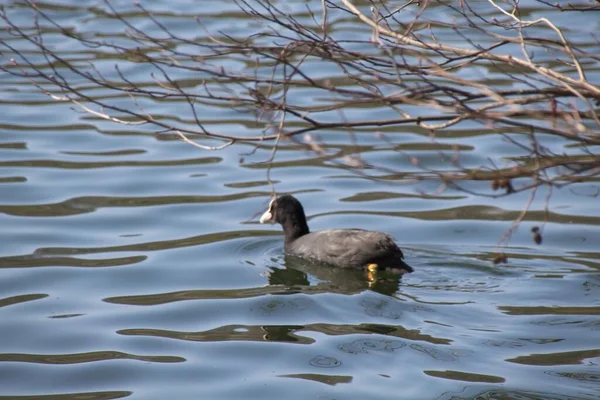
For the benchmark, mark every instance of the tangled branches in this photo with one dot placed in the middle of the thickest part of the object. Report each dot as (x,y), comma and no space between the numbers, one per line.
(423,64)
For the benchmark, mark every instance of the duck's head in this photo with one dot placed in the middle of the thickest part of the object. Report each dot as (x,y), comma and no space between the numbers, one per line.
(287,211)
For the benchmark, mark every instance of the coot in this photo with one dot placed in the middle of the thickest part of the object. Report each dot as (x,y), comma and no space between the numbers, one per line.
(344,248)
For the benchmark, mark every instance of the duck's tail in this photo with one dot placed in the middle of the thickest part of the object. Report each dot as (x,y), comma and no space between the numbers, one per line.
(399,266)
(405,266)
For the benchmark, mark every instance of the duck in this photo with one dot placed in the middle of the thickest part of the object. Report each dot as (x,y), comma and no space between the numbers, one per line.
(342,248)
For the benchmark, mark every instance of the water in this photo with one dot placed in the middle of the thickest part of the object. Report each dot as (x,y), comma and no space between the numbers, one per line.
(132,265)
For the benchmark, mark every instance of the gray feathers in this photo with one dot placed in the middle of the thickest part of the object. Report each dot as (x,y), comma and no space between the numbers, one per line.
(348,248)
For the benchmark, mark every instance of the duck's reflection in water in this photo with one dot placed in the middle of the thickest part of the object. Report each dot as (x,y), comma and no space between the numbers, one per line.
(324,278)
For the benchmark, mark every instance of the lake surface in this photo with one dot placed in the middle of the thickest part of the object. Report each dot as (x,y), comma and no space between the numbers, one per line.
(132,265)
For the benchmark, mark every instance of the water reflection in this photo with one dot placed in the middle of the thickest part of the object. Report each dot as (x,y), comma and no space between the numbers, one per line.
(85,358)
(339,280)
(326,379)
(262,333)
(129,264)
(509,394)
(73,396)
(465,376)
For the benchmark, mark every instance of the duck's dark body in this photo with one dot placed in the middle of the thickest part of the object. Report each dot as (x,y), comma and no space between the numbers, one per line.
(348,248)
(343,248)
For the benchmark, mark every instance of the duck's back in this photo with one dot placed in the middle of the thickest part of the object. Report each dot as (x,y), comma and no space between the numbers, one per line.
(348,248)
